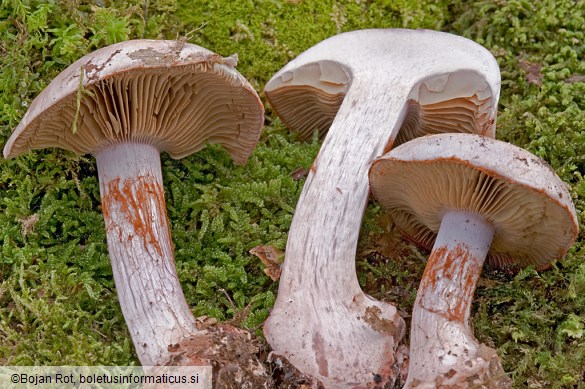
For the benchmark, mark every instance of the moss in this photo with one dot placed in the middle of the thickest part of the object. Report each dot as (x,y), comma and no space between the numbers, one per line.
(269,33)
(57,299)
(219,212)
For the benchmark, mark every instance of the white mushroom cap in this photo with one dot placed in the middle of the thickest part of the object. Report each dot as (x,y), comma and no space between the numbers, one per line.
(517,192)
(455,90)
(173,95)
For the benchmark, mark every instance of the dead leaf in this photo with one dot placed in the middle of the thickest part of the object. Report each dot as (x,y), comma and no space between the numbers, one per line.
(533,74)
(486,352)
(206,321)
(575,78)
(28,224)
(272,259)
(299,174)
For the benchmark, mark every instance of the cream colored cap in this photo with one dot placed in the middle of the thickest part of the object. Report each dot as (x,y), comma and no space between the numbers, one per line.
(531,208)
(174,95)
(454,83)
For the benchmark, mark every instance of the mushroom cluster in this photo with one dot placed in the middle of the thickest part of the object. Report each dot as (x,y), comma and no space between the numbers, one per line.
(367,92)
(363,90)
(427,99)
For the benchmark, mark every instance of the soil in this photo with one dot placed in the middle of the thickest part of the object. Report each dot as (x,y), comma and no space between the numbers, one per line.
(240,360)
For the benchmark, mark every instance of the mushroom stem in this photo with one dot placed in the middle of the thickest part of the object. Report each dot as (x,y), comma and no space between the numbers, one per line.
(322,320)
(141,251)
(443,349)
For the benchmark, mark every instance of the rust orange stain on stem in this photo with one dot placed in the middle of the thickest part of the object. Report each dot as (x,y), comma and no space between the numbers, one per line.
(460,268)
(141,200)
(313,168)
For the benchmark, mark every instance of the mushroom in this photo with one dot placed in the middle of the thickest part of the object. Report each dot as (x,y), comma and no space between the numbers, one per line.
(125,104)
(468,197)
(361,89)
